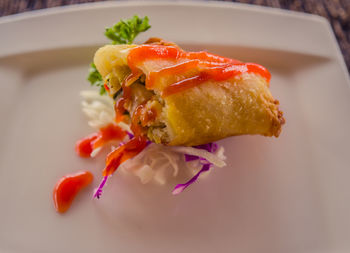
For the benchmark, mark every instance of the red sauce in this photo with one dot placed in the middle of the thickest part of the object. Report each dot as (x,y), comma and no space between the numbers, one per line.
(106,87)
(119,108)
(68,187)
(135,121)
(122,102)
(141,117)
(85,146)
(135,145)
(173,70)
(186,84)
(148,115)
(208,66)
(123,153)
(210,58)
(142,53)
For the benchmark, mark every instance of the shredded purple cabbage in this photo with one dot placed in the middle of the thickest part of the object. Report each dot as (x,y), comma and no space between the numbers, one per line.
(181,187)
(189,158)
(98,192)
(130,135)
(210,147)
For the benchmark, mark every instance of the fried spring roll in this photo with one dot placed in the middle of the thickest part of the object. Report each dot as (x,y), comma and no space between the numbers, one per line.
(176,97)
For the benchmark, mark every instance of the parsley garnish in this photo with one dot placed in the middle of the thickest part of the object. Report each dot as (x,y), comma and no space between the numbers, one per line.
(95,79)
(123,32)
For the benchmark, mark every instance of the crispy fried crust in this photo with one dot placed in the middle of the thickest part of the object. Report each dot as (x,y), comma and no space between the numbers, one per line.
(213,111)
(208,112)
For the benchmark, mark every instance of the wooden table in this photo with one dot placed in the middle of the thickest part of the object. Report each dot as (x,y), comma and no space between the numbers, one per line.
(336,11)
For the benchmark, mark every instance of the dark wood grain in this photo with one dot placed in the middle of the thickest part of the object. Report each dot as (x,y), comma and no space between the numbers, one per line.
(336,11)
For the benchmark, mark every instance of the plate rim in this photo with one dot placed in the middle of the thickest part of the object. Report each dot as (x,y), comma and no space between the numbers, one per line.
(92,5)
(79,8)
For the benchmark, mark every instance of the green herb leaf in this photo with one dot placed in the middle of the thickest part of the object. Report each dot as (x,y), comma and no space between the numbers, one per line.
(95,78)
(125,31)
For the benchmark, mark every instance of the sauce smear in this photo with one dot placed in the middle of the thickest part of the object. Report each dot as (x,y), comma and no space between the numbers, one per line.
(206,66)
(123,153)
(85,146)
(122,102)
(68,187)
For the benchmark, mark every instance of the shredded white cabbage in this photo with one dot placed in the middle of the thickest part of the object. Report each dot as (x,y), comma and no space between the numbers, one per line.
(159,163)
(156,163)
(99,109)
(210,157)
(95,152)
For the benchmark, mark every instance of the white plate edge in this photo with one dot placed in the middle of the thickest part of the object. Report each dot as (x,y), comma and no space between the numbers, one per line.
(322,21)
(93,5)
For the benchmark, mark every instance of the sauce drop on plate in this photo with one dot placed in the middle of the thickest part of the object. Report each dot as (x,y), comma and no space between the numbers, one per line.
(85,146)
(68,187)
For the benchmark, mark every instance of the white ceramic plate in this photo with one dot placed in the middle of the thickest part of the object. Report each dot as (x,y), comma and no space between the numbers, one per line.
(290,194)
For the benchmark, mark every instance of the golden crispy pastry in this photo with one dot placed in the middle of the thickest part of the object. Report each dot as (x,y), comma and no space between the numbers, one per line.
(176,97)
